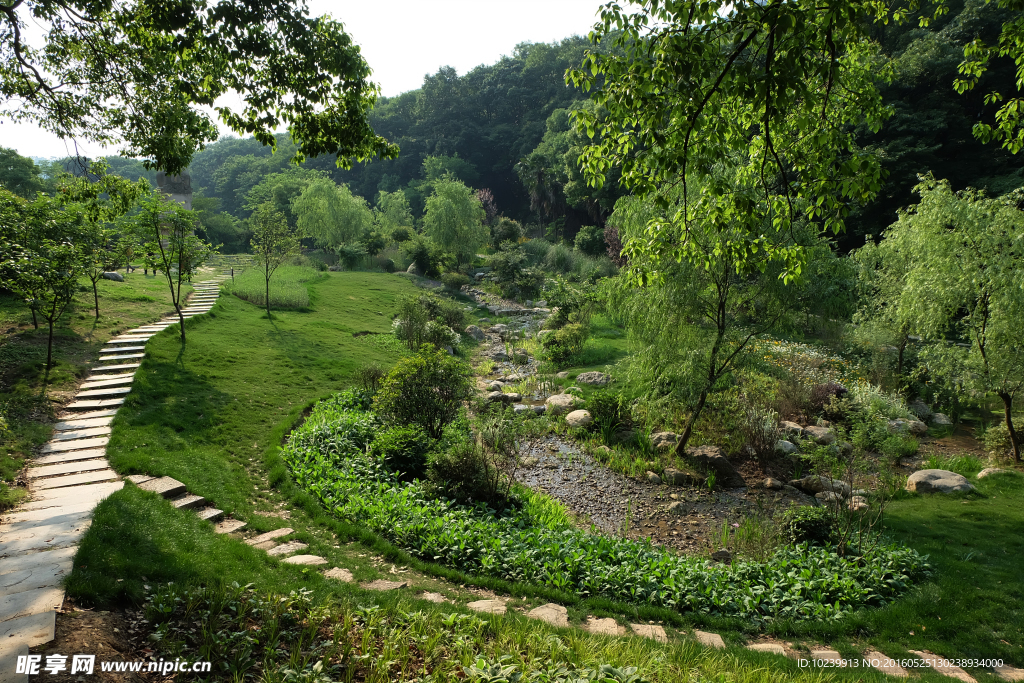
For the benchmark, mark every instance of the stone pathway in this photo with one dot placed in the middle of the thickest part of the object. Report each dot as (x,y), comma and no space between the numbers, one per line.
(38,540)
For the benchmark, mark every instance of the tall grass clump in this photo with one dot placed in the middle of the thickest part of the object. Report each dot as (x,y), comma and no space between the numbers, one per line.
(287,288)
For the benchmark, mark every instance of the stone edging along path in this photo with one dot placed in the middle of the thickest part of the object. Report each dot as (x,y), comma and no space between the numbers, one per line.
(38,540)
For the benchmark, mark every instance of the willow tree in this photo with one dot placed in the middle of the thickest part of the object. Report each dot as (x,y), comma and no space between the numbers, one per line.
(454,219)
(331,215)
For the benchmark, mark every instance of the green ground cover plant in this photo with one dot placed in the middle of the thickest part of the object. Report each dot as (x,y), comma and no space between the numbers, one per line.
(329,459)
(288,288)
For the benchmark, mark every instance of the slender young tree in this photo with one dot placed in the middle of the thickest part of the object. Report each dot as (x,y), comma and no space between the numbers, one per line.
(167,230)
(272,242)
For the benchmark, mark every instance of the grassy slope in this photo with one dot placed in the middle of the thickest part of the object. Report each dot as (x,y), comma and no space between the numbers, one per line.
(78,337)
(212,415)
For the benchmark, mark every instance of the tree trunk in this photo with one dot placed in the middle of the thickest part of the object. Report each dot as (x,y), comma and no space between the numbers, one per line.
(685,438)
(96,299)
(899,359)
(49,348)
(1008,413)
(268,297)
(35,320)
(181,322)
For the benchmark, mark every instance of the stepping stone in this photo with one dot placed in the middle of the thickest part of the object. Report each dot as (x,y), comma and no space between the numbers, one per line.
(139,479)
(91,405)
(107,381)
(119,366)
(68,468)
(944,666)
(61,531)
(33,561)
(125,356)
(31,602)
(1009,673)
(385,585)
(436,598)
(31,630)
(70,456)
(828,656)
(885,664)
(76,445)
(74,479)
(306,560)
(104,391)
(709,639)
(188,501)
(81,434)
(269,536)
(554,614)
(484,606)
(285,548)
(773,648)
(652,631)
(165,486)
(339,574)
(210,514)
(92,493)
(78,417)
(604,627)
(229,526)
(123,349)
(42,515)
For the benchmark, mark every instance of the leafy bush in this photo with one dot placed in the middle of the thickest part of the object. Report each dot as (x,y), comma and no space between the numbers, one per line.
(455,280)
(565,343)
(427,255)
(459,472)
(444,311)
(369,377)
(506,230)
(808,525)
(590,241)
(873,400)
(428,319)
(761,430)
(610,410)
(351,255)
(404,451)
(384,263)
(896,446)
(575,304)
(997,442)
(426,389)
(802,582)
(440,335)
(560,259)
(824,394)
(514,277)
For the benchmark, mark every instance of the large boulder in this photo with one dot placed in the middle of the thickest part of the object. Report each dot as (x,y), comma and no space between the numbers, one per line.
(598,379)
(579,418)
(917,428)
(475,332)
(711,458)
(920,409)
(790,428)
(813,484)
(785,447)
(664,441)
(941,420)
(902,426)
(560,403)
(116,277)
(822,435)
(938,481)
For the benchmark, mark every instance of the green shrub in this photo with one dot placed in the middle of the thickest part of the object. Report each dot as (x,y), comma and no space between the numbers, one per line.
(440,335)
(351,255)
(505,230)
(429,319)
(610,410)
(445,311)
(997,442)
(459,472)
(565,343)
(896,446)
(590,240)
(426,389)
(455,280)
(808,525)
(514,277)
(410,325)
(560,259)
(404,451)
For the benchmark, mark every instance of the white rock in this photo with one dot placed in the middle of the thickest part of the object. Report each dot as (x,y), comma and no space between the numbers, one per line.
(785,447)
(560,403)
(579,418)
(938,481)
(941,420)
(988,471)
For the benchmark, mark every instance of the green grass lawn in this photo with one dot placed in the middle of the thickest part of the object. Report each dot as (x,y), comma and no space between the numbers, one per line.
(29,404)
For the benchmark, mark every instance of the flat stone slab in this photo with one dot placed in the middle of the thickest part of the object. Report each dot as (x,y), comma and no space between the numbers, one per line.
(9,655)
(45,536)
(485,606)
(188,501)
(229,526)
(305,560)
(122,356)
(384,585)
(269,536)
(39,575)
(604,627)
(99,381)
(436,598)
(339,574)
(74,479)
(68,456)
(139,479)
(772,648)
(552,613)
(31,630)
(210,514)
(165,486)
(73,425)
(285,548)
(78,417)
(33,561)
(43,514)
(103,391)
(944,666)
(131,338)
(93,492)
(26,603)
(1009,673)
(92,405)
(122,349)
(828,656)
(885,664)
(81,433)
(652,631)
(72,467)
(75,445)
(709,639)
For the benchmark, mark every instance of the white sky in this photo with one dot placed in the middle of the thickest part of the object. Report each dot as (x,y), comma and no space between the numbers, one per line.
(402,40)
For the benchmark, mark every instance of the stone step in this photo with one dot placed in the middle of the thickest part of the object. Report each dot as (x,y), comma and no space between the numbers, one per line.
(78,417)
(122,349)
(69,456)
(771,648)
(104,391)
(81,433)
(305,560)
(31,630)
(122,356)
(77,444)
(165,486)
(210,514)
(944,666)
(72,467)
(115,368)
(71,480)
(97,381)
(286,548)
(652,631)
(269,536)
(229,526)
(64,497)
(27,603)
(188,501)
(709,639)
(132,339)
(56,531)
(94,404)
(885,664)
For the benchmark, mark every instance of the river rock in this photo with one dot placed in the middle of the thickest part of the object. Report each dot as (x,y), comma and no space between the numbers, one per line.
(116,277)
(556,615)
(539,410)
(653,478)
(941,420)
(938,481)
(495,396)
(598,379)
(496,386)
(475,332)
(560,403)
(674,477)
(497,355)
(773,484)
(521,409)
(664,441)
(791,428)
(579,418)
(920,408)
(564,374)
(917,428)
(821,435)
(712,458)
(989,471)
(813,484)
(785,447)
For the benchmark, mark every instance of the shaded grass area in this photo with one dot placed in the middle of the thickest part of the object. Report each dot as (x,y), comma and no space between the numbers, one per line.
(288,286)
(27,403)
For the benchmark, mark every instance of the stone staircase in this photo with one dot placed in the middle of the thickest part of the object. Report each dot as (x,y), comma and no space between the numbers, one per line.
(38,540)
